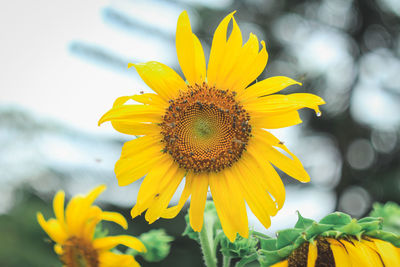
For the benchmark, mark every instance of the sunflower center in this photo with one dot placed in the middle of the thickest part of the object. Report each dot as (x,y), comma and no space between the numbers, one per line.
(78,253)
(205,129)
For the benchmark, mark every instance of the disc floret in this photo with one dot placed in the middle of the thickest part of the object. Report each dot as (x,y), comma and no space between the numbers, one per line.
(205,129)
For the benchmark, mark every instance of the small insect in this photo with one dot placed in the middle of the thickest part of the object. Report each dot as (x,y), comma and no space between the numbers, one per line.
(141,92)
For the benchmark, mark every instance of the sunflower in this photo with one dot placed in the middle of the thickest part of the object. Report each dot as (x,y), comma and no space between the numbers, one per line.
(337,240)
(211,130)
(74,231)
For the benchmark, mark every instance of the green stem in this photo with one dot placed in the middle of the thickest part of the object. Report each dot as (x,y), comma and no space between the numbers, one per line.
(206,247)
(247,259)
(226,261)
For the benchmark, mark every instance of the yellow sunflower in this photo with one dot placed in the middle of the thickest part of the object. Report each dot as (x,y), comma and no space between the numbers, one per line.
(73,232)
(368,252)
(210,130)
(336,240)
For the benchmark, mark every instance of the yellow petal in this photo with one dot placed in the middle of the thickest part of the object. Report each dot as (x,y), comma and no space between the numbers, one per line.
(265,87)
(171,212)
(135,128)
(312,255)
(388,252)
(281,264)
(247,65)
(268,176)
(198,200)
(231,54)
(190,52)
(58,249)
(340,254)
(153,184)
(110,259)
(356,256)
(258,199)
(292,166)
(53,228)
(253,69)
(137,158)
(87,222)
(133,113)
(93,194)
(109,242)
(370,254)
(218,50)
(164,196)
(276,121)
(58,207)
(238,205)
(150,99)
(161,79)
(114,217)
(276,104)
(223,205)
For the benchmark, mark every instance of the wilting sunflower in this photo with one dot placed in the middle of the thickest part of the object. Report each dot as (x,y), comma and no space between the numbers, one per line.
(211,130)
(73,232)
(337,240)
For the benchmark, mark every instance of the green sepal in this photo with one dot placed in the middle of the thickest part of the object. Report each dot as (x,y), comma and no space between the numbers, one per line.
(240,248)
(336,218)
(287,237)
(268,244)
(316,229)
(302,223)
(352,228)
(332,233)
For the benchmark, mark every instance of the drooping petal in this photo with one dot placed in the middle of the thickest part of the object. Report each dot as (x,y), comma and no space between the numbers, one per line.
(171,212)
(265,87)
(340,254)
(190,52)
(269,178)
(218,49)
(312,255)
(370,254)
(160,78)
(109,242)
(198,200)
(238,205)
(388,252)
(223,205)
(114,217)
(356,256)
(258,199)
(137,158)
(153,184)
(110,259)
(164,196)
(53,228)
(292,166)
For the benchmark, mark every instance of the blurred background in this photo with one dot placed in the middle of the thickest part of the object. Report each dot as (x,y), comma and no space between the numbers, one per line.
(63,63)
